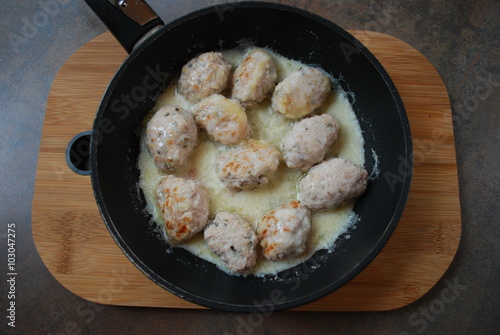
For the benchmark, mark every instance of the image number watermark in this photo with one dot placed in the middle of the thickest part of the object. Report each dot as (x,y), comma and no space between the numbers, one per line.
(11,274)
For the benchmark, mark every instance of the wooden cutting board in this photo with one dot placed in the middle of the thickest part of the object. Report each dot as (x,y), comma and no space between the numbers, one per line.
(78,250)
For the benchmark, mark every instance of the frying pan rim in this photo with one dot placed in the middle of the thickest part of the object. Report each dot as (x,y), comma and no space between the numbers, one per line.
(304,299)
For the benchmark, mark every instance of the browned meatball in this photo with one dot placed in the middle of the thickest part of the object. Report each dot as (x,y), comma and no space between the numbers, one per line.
(184,207)
(283,232)
(301,92)
(171,136)
(204,75)
(248,166)
(233,239)
(255,78)
(224,119)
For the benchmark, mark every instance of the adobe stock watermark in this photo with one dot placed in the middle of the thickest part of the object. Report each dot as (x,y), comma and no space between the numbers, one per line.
(11,248)
(293,279)
(121,108)
(151,81)
(86,311)
(483,90)
(421,319)
(425,148)
(422,149)
(384,17)
(31,26)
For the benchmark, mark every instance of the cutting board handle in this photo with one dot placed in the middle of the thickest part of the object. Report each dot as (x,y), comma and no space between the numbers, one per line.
(78,153)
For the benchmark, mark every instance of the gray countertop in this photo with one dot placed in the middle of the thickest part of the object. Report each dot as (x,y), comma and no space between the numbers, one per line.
(460,38)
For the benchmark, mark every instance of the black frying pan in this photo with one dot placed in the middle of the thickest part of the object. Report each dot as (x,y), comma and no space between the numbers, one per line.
(145,73)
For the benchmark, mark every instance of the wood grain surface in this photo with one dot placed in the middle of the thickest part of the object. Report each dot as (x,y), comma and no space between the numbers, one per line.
(77,249)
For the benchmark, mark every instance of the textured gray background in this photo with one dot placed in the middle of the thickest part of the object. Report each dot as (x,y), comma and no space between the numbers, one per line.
(460,38)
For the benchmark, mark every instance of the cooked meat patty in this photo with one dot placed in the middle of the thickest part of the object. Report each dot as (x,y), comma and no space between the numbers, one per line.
(233,239)
(254,78)
(283,232)
(224,119)
(248,166)
(184,207)
(171,137)
(301,92)
(332,182)
(308,141)
(204,75)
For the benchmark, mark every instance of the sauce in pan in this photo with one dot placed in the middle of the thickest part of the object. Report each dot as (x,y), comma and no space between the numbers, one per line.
(270,127)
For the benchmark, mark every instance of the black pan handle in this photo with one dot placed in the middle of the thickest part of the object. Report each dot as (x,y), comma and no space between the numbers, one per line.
(130,21)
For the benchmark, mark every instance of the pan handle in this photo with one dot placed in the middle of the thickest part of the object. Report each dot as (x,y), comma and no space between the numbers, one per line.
(130,21)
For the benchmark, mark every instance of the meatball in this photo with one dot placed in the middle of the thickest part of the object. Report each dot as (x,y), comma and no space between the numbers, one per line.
(255,78)
(283,232)
(301,92)
(171,137)
(233,239)
(223,119)
(308,141)
(248,166)
(184,207)
(204,75)
(332,182)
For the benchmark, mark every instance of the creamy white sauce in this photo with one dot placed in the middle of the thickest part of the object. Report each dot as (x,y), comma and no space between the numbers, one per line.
(271,127)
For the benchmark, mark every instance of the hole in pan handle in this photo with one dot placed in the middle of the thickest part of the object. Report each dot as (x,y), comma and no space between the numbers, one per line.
(78,153)
(130,21)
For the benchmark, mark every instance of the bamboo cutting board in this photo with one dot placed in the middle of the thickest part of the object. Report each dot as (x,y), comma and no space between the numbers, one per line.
(78,250)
